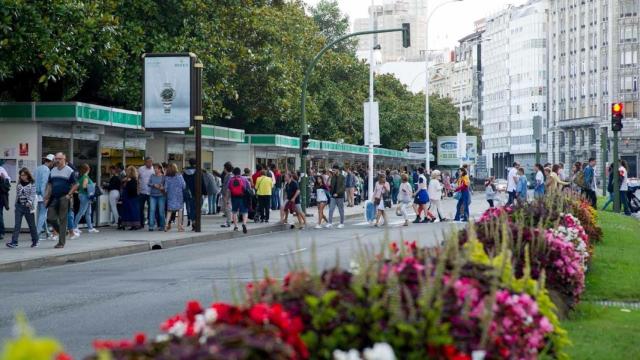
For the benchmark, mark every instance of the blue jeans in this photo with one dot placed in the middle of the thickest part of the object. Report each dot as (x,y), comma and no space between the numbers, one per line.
(20,212)
(275,199)
(213,205)
(462,208)
(156,206)
(85,210)
(70,218)
(609,201)
(394,195)
(191,208)
(512,197)
(624,201)
(42,219)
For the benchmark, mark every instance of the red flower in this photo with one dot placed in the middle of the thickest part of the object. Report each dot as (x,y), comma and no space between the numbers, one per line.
(227,314)
(193,308)
(259,313)
(168,324)
(63,356)
(394,248)
(140,338)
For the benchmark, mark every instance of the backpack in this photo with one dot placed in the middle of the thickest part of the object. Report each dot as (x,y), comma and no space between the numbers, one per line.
(579,179)
(236,186)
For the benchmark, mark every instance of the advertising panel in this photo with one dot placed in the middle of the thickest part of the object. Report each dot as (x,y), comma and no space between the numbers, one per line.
(448,150)
(167,92)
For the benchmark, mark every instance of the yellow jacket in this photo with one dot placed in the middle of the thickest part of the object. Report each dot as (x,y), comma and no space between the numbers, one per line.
(264,184)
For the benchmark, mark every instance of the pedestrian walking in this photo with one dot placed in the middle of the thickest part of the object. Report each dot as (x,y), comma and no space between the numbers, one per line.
(212,189)
(490,191)
(590,182)
(350,185)
(189,175)
(264,189)
(435,195)
(462,208)
(157,198)
(322,198)
(144,191)
(62,184)
(239,188)
(405,197)
(292,194)
(86,192)
(539,188)
(554,183)
(422,197)
(522,187)
(174,186)
(277,187)
(396,180)
(113,187)
(42,177)
(25,206)
(577,183)
(5,188)
(512,183)
(130,202)
(226,195)
(624,186)
(446,182)
(381,190)
(337,189)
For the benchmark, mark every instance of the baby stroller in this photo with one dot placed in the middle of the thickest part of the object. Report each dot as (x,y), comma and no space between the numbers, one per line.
(634,200)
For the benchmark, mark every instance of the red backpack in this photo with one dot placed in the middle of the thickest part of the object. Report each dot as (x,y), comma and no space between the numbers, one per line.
(236,186)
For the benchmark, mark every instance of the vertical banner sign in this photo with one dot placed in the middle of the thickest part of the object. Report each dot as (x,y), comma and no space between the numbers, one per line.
(167,91)
(461,147)
(371,124)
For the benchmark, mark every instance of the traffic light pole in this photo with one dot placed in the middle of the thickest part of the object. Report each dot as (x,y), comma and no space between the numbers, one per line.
(605,157)
(304,179)
(616,180)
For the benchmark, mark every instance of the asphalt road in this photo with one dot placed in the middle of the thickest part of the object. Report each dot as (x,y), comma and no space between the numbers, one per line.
(116,297)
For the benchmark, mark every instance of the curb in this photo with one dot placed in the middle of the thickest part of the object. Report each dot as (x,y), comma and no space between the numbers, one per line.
(90,255)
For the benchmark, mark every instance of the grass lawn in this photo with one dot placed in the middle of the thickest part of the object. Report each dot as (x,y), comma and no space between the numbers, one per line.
(599,332)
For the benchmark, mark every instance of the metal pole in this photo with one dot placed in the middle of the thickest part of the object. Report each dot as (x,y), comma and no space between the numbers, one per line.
(303,99)
(616,181)
(605,159)
(537,151)
(426,89)
(198,118)
(460,100)
(371,78)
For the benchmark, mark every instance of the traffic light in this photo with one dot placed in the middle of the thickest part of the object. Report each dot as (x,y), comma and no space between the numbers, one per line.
(616,116)
(304,144)
(406,35)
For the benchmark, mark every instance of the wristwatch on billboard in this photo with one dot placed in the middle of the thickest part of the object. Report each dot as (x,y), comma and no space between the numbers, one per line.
(167,95)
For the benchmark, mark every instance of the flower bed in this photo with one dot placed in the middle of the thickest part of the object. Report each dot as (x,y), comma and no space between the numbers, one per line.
(486,294)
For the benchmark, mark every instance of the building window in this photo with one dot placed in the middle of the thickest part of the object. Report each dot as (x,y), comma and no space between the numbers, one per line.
(592,136)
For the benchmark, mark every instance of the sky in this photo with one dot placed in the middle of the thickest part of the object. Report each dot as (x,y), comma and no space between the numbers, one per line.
(451,22)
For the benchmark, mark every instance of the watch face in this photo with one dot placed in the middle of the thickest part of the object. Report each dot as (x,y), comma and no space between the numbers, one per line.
(167,95)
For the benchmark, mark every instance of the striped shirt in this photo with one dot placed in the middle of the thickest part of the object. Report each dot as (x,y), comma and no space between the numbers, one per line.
(26,194)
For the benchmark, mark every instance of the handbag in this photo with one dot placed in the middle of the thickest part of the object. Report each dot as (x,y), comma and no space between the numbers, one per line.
(387,203)
(399,210)
(376,201)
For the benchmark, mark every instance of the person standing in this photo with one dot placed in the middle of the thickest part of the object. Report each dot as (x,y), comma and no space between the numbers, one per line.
(5,187)
(624,186)
(554,182)
(264,188)
(189,175)
(350,185)
(396,180)
(381,190)
(239,187)
(405,196)
(25,207)
(322,198)
(42,177)
(577,182)
(227,174)
(512,183)
(130,201)
(144,191)
(277,188)
(292,190)
(174,186)
(590,182)
(337,187)
(435,194)
(86,190)
(538,190)
(114,186)
(522,187)
(490,191)
(157,200)
(62,184)
(462,208)
(213,188)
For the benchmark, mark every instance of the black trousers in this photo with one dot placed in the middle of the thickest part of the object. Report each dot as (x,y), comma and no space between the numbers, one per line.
(591,196)
(264,203)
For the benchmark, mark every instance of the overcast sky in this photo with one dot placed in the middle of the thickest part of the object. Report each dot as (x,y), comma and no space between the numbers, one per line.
(451,22)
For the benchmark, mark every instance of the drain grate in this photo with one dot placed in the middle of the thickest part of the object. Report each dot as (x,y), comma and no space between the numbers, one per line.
(619,304)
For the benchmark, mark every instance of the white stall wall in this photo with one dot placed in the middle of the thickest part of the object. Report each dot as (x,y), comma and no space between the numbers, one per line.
(240,155)
(157,148)
(11,136)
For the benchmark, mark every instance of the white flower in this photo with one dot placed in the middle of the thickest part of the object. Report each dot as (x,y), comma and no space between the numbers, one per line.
(341,355)
(380,351)
(478,354)
(162,338)
(199,323)
(178,329)
(210,315)
(354,267)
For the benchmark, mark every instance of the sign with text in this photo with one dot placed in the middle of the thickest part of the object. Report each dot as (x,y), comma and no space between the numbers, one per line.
(448,150)
(167,91)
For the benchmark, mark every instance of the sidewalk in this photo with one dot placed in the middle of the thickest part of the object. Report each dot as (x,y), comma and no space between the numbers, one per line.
(111,242)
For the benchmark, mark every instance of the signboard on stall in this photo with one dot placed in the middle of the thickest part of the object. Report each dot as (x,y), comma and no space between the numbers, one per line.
(24,149)
(448,150)
(167,91)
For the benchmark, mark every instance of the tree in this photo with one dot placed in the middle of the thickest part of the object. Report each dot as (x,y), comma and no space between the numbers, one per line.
(333,24)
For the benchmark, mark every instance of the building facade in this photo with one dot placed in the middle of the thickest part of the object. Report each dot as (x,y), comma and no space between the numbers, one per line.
(467,78)
(593,61)
(514,85)
(392,14)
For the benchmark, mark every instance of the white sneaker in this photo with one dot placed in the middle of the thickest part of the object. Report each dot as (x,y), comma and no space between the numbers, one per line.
(74,236)
(77,232)
(436,220)
(94,231)
(53,238)
(340,226)
(329,226)
(318,226)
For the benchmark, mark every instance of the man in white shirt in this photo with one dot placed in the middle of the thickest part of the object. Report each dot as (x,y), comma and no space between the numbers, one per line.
(144,191)
(512,181)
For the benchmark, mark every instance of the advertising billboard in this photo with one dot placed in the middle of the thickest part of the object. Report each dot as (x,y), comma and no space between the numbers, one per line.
(448,150)
(167,91)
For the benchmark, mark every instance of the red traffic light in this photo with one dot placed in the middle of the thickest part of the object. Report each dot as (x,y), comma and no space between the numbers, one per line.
(617,108)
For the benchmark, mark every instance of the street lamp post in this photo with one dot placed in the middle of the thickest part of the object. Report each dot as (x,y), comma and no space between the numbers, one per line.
(426,87)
